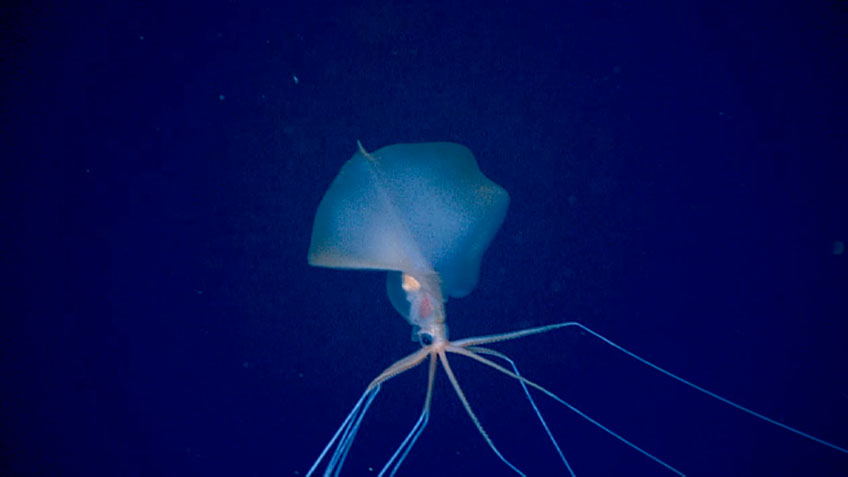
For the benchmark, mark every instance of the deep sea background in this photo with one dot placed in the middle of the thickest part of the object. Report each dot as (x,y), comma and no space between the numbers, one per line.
(679,183)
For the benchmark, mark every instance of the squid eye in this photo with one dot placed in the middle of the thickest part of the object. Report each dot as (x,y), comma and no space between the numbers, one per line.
(425,338)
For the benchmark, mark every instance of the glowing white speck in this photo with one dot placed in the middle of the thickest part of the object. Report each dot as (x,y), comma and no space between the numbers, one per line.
(296,81)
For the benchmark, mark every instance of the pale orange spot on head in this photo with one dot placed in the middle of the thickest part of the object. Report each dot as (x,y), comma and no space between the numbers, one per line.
(409,283)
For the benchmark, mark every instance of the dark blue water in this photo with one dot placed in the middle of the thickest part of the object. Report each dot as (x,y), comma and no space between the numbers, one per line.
(679,183)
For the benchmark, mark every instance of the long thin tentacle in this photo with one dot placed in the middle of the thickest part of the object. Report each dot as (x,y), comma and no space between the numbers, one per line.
(444,359)
(334,467)
(409,442)
(478,349)
(712,394)
(481,340)
(490,363)
(346,433)
(473,341)
(404,364)
(369,393)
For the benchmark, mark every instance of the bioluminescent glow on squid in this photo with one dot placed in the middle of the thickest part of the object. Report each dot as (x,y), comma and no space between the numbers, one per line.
(426,214)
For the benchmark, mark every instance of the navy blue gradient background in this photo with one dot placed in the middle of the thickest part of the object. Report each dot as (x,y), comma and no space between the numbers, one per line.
(679,183)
